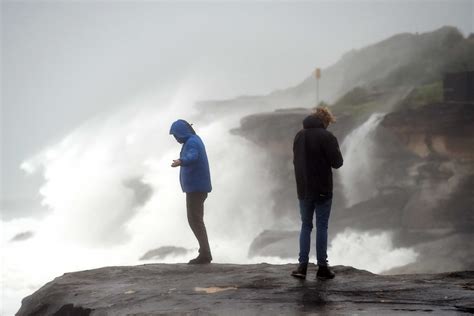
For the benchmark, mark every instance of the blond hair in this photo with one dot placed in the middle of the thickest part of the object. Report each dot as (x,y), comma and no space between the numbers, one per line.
(324,114)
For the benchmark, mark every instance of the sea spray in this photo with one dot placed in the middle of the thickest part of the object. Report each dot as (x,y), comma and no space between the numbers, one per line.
(358,173)
(95,219)
(372,251)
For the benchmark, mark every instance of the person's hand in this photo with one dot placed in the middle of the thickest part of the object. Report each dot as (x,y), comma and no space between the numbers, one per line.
(176,163)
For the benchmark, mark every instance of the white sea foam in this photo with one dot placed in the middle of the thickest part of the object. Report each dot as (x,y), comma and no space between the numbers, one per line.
(358,173)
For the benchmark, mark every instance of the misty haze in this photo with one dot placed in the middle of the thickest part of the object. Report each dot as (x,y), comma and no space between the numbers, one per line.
(90,90)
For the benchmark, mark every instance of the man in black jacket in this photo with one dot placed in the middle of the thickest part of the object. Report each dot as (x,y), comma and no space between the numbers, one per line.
(315,153)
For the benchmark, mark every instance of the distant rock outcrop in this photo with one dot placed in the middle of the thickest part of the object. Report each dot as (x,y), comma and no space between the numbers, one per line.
(275,243)
(22,236)
(260,289)
(163,252)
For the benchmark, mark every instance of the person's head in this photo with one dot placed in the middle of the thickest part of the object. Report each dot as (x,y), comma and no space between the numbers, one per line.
(324,114)
(182,130)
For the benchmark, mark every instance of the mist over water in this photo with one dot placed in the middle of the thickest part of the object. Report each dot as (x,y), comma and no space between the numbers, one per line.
(113,196)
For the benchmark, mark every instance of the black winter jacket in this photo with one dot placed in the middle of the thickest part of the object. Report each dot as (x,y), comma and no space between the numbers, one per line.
(315,152)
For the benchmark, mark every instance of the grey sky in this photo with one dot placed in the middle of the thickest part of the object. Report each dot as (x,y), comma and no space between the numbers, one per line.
(62,62)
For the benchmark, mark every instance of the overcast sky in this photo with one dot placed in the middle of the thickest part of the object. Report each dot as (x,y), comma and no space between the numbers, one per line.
(63,62)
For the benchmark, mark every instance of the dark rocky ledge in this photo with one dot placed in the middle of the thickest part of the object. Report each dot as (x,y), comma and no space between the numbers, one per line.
(226,289)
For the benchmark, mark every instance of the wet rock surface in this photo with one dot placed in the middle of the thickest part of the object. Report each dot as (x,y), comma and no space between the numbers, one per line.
(260,289)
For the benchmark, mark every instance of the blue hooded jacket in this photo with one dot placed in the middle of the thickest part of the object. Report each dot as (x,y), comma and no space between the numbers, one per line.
(194,173)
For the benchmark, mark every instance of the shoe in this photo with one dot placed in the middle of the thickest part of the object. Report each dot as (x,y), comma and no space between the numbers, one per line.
(201,260)
(324,273)
(300,272)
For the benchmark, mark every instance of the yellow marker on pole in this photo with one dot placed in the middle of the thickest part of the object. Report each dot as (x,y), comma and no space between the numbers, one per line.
(317,74)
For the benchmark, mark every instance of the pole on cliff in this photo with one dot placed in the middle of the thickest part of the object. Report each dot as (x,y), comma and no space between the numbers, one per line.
(317,74)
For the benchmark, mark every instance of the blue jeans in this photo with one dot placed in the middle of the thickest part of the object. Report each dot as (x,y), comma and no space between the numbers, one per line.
(323,210)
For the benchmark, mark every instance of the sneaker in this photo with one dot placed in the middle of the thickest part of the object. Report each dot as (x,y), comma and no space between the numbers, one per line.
(325,273)
(300,272)
(201,260)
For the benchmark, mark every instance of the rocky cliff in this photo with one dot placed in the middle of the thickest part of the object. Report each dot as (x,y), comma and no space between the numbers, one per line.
(417,178)
(262,289)
(423,164)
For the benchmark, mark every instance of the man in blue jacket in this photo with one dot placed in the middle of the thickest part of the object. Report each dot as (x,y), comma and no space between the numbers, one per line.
(195,181)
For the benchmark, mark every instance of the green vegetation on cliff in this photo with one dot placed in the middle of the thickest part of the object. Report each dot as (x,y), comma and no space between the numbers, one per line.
(424,95)
(404,71)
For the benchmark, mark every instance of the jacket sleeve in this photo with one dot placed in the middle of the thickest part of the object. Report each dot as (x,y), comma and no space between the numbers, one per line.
(190,153)
(295,146)
(333,153)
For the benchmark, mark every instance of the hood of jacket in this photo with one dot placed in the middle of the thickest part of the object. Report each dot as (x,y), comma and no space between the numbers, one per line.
(181,130)
(312,121)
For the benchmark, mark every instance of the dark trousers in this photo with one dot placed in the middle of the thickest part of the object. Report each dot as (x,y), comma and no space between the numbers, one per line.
(195,210)
(307,209)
